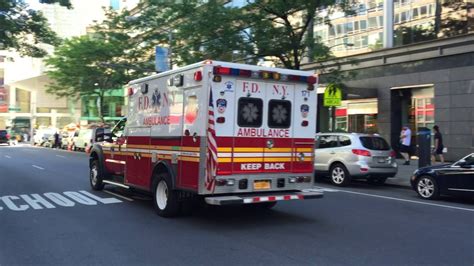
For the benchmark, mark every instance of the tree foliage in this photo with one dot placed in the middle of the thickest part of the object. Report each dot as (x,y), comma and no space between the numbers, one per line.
(274,29)
(23,29)
(95,64)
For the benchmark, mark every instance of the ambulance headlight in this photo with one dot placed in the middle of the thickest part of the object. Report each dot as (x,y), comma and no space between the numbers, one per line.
(230,182)
(301,157)
(292,179)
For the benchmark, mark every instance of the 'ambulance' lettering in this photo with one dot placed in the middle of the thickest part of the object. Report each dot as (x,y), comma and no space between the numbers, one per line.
(261,132)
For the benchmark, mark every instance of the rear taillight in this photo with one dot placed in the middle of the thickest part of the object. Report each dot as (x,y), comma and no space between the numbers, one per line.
(361,152)
(8,136)
(393,154)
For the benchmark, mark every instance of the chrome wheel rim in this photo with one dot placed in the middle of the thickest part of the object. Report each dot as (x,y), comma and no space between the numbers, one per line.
(338,175)
(162,195)
(94,174)
(426,187)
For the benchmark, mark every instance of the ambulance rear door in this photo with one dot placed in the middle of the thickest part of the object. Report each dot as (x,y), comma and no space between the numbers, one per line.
(278,125)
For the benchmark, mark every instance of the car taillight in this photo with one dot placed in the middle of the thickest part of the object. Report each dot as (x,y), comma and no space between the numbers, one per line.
(361,152)
(393,154)
(8,136)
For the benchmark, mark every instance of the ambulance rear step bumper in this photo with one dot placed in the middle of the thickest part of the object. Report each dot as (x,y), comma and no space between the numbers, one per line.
(257,198)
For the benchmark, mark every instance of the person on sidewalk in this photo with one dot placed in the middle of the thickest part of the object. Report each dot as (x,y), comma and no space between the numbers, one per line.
(405,142)
(438,146)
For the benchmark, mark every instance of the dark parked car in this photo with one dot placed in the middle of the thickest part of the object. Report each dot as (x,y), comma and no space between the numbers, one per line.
(455,179)
(4,137)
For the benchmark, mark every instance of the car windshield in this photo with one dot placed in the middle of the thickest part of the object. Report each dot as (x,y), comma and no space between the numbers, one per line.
(374,143)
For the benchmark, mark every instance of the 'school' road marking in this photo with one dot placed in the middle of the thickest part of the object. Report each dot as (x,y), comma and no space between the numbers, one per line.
(51,200)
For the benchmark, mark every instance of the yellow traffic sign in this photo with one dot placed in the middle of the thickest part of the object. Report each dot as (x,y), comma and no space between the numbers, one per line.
(332,95)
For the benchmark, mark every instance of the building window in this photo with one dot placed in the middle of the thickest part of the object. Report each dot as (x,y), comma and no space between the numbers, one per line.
(363,24)
(349,27)
(23,100)
(415,12)
(423,11)
(372,22)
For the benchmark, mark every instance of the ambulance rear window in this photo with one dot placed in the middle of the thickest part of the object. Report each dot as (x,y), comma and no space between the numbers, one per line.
(250,112)
(279,114)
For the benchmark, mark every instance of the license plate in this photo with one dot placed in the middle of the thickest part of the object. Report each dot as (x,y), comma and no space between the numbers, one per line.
(262,184)
(382,160)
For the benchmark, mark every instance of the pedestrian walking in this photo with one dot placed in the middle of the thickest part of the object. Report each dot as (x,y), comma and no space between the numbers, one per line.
(56,140)
(405,142)
(438,146)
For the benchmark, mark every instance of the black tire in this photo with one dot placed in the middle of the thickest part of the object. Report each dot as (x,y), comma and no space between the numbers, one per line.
(96,176)
(377,180)
(339,175)
(165,199)
(427,187)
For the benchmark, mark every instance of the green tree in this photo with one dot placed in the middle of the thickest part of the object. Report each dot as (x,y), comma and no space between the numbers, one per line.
(261,29)
(22,29)
(87,66)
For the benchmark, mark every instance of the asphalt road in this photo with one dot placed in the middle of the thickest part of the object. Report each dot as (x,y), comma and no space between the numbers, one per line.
(50,216)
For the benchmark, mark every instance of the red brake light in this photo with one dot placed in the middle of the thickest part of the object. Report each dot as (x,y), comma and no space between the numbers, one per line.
(393,154)
(130,91)
(304,123)
(220,120)
(361,152)
(8,136)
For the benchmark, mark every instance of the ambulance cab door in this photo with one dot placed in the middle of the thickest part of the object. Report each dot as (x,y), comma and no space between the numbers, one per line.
(115,159)
(192,134)
(138,157)
(279,126)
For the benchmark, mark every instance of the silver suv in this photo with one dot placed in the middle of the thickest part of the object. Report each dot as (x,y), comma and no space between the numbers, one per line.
(347,156)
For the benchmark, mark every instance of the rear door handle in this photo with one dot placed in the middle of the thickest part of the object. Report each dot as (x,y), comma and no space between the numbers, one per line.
(333,152)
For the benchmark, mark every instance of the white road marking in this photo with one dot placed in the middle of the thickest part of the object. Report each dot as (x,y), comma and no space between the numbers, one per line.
(38,167)
(48,200)
(410,201)
(60,156)
(323,189)
(117,195)
(9,157)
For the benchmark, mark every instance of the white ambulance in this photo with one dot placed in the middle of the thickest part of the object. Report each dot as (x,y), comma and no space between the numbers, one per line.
(223,132)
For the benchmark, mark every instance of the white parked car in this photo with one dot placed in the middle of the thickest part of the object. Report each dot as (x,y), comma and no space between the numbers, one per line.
(347,156)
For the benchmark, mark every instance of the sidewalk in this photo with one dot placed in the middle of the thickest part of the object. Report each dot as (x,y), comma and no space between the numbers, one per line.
(404,173)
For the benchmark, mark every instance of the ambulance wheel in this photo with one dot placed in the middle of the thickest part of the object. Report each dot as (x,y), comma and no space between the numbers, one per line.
(96,176)
(165,199)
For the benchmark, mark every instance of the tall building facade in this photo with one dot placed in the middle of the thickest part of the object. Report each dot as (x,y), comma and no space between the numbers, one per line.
(425,79)
(24,102)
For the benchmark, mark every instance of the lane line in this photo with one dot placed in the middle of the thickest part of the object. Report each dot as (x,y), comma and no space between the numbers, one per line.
(410,201)
(9,157)
(38,167)
(60,156)
(117,195)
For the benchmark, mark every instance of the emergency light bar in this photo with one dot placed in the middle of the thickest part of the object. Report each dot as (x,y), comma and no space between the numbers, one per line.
(263,74)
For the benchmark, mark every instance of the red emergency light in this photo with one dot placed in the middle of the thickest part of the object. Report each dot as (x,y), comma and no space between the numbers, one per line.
(198,76)
(218,70)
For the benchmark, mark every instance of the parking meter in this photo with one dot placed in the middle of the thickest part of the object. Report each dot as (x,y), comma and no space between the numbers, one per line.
(424,146)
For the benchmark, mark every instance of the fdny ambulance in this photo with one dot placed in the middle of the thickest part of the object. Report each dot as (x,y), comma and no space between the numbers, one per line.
(224,132)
